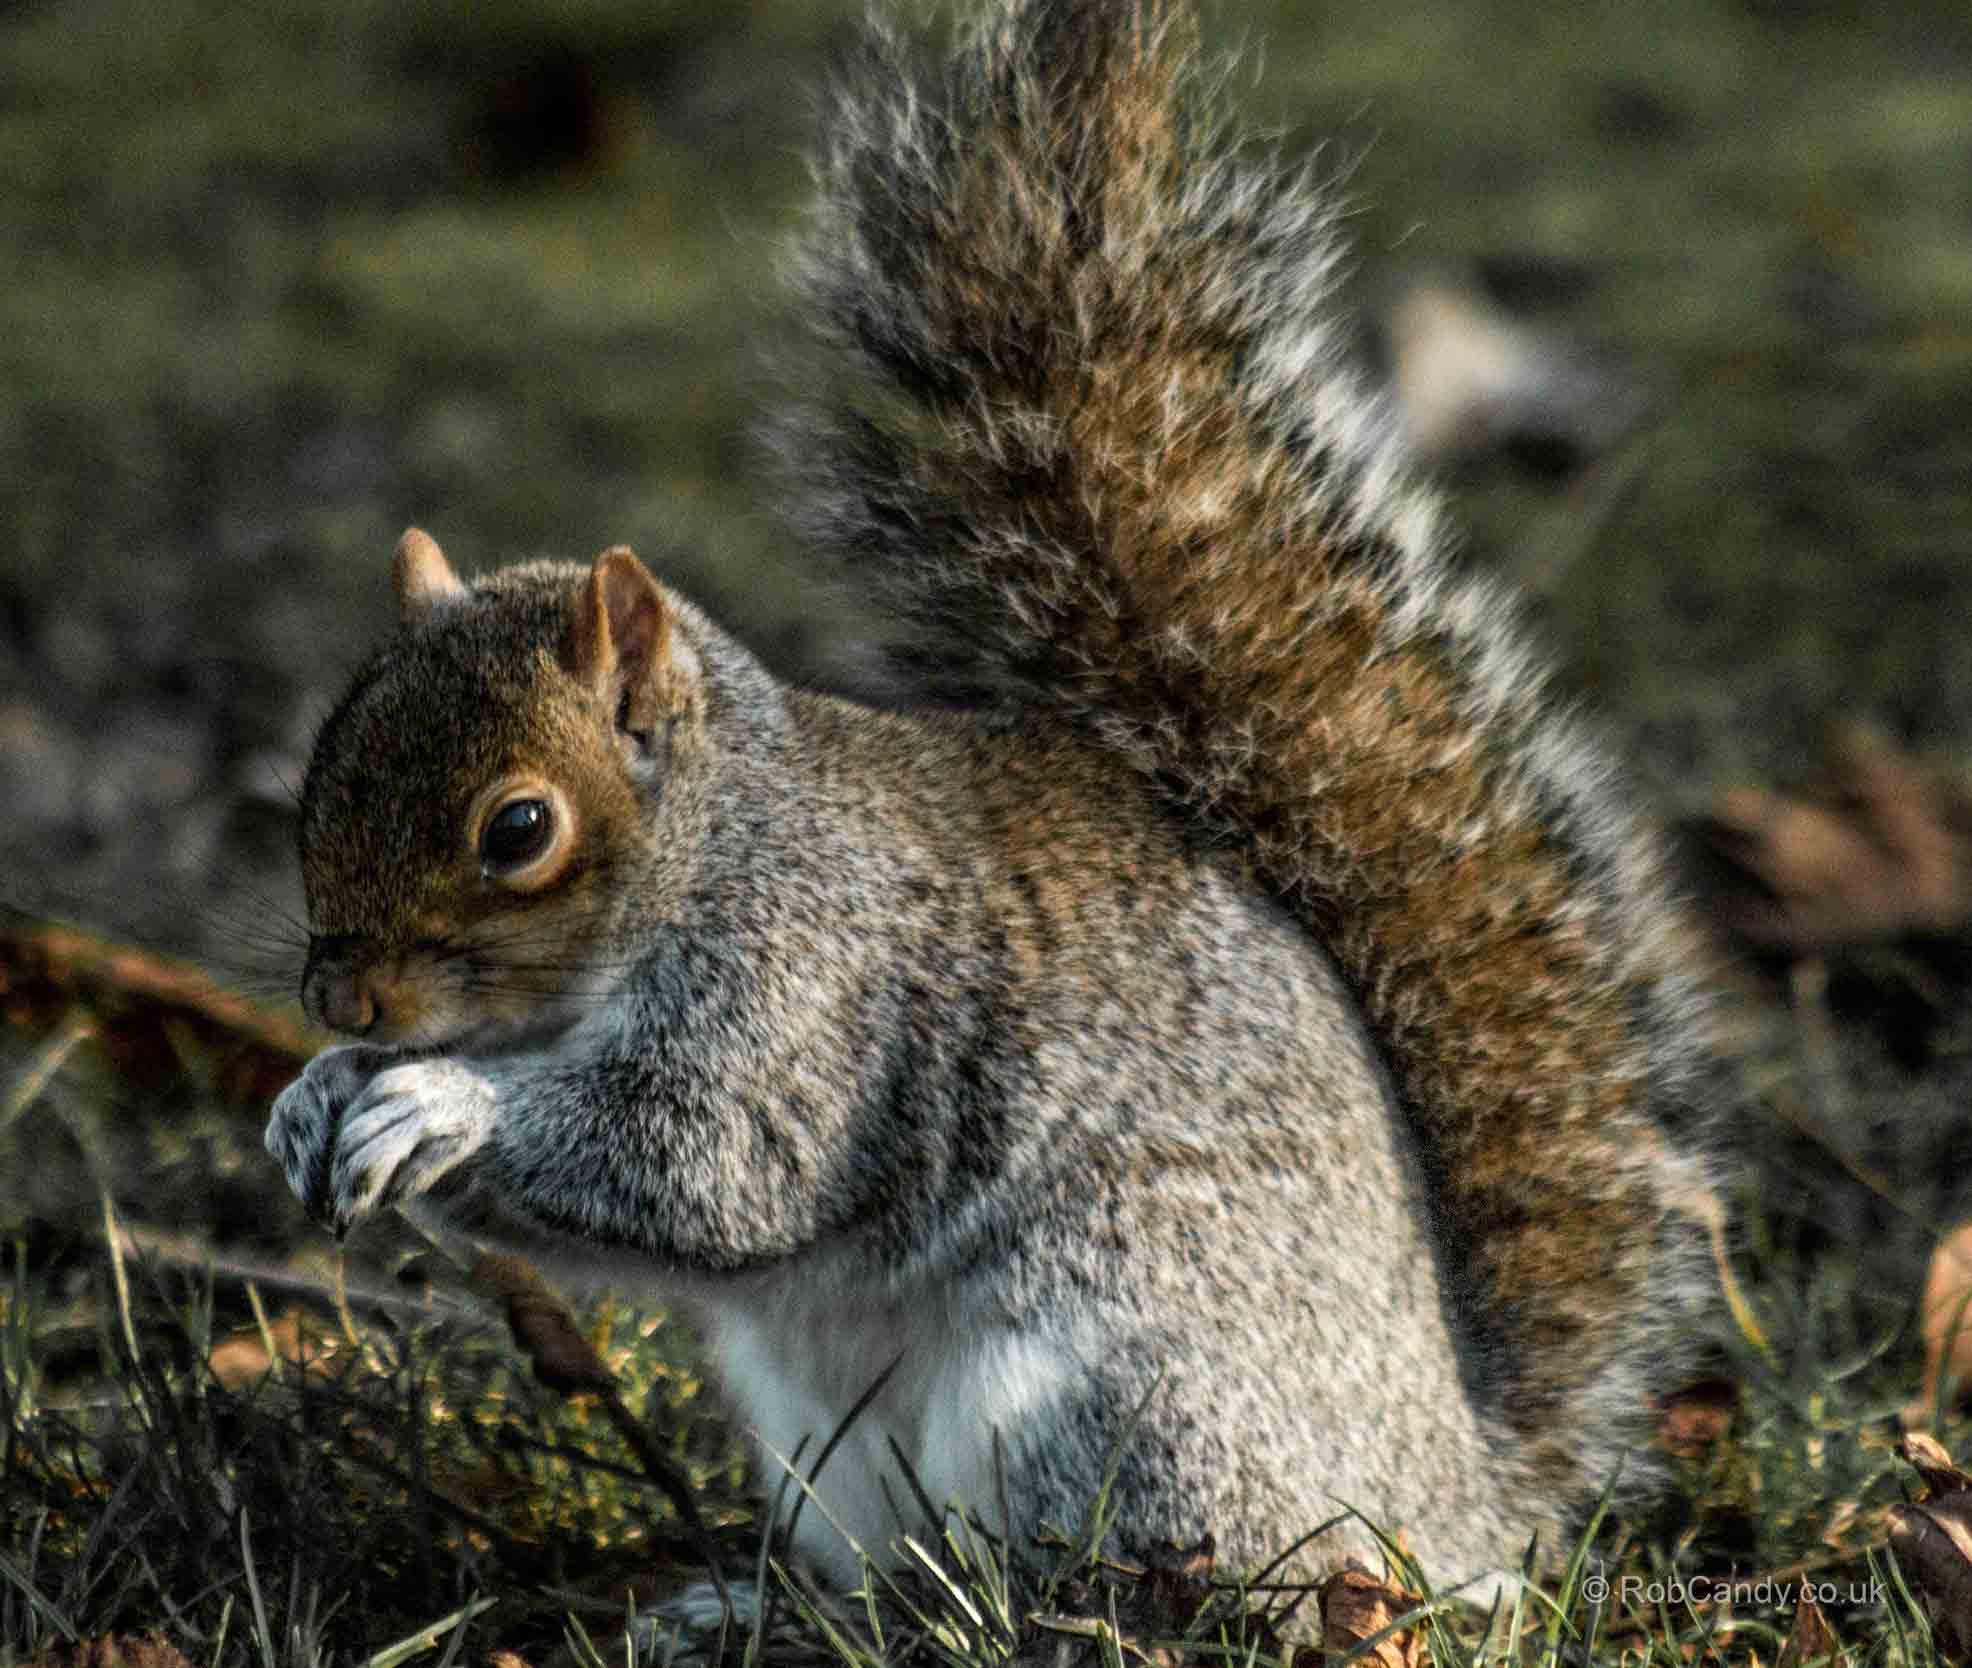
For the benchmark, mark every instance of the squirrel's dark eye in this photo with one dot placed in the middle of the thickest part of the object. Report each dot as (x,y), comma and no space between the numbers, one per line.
(516,834)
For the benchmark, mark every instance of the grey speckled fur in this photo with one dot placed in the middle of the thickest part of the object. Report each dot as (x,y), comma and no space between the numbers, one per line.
(1248,1001)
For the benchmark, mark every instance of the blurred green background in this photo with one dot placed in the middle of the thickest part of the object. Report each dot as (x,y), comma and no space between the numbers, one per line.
(278,278)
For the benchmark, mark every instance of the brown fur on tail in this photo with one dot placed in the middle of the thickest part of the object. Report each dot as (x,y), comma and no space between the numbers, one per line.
(1088,435)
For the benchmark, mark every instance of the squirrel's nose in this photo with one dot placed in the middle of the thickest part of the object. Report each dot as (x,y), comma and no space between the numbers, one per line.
(339,990)
(347,1003)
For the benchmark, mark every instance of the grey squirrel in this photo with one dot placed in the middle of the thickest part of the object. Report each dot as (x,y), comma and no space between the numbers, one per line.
(1227,1020)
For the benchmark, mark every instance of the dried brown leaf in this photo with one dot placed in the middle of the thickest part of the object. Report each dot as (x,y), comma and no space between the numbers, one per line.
(1877,849)
(128,1650)
(562,1358)
(148,1008)
(1469,378)
(1945,1318)
(1691,1421)
(242,1358)
(566,1362)
(1933,1544)
(1810,1640)
(1356,1606)
(1175,1586)
(1926,1455)
(1163,1602)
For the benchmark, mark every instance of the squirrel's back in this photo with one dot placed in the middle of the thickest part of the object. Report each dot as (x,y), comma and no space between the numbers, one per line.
(1086,434)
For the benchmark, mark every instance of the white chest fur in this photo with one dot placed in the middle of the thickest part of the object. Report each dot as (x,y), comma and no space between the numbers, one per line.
(795,1358)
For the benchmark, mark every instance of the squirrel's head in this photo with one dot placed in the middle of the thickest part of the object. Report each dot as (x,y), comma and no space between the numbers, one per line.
(507,780)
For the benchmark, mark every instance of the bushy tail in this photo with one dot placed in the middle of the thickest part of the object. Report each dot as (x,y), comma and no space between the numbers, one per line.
(1083,428)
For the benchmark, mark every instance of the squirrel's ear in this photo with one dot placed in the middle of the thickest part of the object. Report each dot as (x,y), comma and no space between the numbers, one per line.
(621,642)
(420,575)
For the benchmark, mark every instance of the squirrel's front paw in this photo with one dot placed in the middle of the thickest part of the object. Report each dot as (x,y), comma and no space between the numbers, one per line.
(410,1125)
(357,1131)
(301,1132)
